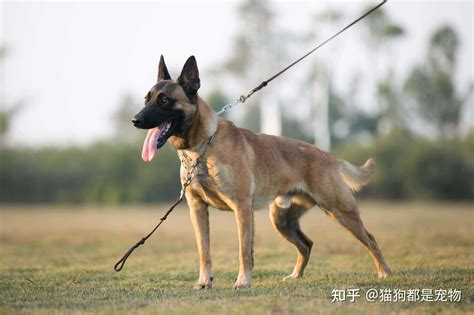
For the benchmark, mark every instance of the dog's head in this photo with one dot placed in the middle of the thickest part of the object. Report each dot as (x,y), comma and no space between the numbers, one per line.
(170,106)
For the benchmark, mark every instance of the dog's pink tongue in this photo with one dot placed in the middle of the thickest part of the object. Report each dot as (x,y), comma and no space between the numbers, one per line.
(149,146)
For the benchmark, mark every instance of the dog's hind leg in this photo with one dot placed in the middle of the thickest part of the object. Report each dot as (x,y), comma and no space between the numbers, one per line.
(350,219)
(286,222)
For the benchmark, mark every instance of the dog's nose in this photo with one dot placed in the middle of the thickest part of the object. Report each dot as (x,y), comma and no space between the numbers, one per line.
(137,121)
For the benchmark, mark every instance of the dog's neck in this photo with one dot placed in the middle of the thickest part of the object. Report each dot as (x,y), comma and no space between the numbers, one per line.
(203,125)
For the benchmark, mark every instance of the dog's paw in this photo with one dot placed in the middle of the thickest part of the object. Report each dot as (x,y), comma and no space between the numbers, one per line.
(204,283)
(385,274)
(291,277)
(242,285)
(202,286)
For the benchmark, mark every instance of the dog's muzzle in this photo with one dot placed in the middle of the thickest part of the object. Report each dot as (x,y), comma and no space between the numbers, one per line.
(138,122)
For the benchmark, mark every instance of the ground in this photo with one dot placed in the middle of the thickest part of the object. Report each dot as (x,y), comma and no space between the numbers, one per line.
(60,260)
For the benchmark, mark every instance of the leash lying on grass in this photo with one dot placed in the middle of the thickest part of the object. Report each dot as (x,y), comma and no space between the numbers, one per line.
(190,171)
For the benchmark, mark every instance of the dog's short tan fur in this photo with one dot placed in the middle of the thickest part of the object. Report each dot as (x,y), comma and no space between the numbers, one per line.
(243,171)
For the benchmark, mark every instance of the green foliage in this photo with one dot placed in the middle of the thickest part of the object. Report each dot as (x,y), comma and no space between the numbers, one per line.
(3,51)
(257,19)
(4,123)
(380,28)
(444,44)
(439,172)
(293,128)
(430,87)
(102,173)
(251,119)
(216,99)
(409,167)
(121,119)
(390,101)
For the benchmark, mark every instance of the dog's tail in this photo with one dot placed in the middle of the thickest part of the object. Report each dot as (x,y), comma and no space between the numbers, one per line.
(356,177)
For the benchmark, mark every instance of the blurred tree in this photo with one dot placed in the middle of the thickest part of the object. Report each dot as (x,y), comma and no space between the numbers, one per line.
(251,118)
(438,171)
(349,122)
(216,99)
(256,18)
(346,118)
(258,49)
(431,89)
(380,32)
(380,29)
(294,128)
(337,126)
(317,87)
(6,117)
(7,112)
(3,51)
(122,117)
(444,44)
(106,172)
(390,101)
(412,167)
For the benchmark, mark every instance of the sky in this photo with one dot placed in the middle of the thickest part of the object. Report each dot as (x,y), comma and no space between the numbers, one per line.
(70,63)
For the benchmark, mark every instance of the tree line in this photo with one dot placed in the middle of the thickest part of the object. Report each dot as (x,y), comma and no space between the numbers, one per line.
(414,133)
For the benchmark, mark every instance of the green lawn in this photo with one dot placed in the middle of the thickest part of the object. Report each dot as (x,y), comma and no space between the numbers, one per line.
(60,260)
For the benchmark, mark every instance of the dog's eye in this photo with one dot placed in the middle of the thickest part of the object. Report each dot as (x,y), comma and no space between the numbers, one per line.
(164,100)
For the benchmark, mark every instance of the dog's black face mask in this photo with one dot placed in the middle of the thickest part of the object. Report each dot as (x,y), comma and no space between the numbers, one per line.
(168,107)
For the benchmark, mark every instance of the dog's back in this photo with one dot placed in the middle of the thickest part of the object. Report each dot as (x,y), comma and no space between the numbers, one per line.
(283,166)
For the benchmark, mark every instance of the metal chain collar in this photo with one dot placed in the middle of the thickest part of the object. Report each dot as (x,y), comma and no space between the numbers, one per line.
(191,166)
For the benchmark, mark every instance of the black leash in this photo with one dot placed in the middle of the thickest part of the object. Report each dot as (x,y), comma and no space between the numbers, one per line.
(243,98)
(119,265)
(190,174)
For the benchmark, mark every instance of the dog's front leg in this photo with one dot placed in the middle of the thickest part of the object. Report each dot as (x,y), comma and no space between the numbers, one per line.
(245,226)
(200,220)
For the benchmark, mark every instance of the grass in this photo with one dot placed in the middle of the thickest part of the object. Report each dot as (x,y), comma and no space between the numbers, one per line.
(60,260)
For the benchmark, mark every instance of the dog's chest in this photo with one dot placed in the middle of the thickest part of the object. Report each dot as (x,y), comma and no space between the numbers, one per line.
(211,182)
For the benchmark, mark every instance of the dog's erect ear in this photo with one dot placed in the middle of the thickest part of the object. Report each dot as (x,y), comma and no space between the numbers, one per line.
(163,73)
(189,78)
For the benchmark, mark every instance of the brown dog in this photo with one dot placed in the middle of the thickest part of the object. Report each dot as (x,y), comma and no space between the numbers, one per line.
(242,171)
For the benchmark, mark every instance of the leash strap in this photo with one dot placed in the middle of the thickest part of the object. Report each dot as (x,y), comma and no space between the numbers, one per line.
(243,98)
(119,265)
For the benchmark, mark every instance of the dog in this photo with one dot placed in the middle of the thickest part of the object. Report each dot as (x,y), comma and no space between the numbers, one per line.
(241,171)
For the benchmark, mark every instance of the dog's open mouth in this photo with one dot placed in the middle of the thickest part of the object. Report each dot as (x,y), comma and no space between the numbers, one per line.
(156,138)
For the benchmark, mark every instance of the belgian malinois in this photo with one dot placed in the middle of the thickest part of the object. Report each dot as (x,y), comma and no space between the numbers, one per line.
(242,171)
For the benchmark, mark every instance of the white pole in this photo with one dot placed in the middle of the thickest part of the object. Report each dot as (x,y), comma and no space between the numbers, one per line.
(270,118)
(322,137)
(270,114)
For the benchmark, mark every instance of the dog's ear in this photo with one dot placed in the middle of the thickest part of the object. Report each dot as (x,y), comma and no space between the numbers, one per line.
(163,73)
(189,78)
